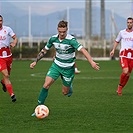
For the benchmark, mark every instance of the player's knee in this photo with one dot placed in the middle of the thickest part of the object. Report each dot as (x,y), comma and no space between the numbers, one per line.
(6,75)
(126,71)
(65,91)
(46,86)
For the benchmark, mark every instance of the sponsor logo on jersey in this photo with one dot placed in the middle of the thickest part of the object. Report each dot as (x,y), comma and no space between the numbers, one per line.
(67,79)
(2,38)
(129,39)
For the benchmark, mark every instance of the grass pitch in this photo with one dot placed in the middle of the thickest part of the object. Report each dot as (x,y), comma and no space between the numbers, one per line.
(94,106)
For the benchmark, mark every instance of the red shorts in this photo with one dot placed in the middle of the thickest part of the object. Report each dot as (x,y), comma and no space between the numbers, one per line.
(6,63)
(5,52)
(126,63)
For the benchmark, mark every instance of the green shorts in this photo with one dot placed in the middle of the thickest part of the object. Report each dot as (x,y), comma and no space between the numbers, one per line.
(67,74)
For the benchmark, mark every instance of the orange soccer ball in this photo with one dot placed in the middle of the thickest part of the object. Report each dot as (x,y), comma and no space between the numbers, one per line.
(41,111)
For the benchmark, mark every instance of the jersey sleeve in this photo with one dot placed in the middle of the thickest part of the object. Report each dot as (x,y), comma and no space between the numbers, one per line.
(10,32)
(49,44)
(76,44)
(118,38)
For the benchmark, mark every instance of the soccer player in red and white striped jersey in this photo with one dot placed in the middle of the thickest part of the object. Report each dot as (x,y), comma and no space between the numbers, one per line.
(126,53)
(6,33)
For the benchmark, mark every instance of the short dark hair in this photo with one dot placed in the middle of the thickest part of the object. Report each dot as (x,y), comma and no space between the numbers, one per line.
(129,18)
(62,24)
(1,17)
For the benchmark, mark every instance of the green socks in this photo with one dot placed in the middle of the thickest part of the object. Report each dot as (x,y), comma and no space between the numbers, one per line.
(42,96)
(70,91)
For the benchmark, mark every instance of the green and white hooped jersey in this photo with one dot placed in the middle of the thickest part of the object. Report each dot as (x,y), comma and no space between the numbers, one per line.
(65,50)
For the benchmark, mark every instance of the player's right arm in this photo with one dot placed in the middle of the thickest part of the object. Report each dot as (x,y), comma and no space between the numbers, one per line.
(90,60)
(114,47)
(39,56)
(42,53)
(117,40)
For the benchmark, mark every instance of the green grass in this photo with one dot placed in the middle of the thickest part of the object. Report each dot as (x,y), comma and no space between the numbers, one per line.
(94,106)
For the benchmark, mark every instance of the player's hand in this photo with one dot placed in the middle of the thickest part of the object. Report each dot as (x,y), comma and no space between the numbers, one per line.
(12,44)
(95,65)
(32,65)
(112,53)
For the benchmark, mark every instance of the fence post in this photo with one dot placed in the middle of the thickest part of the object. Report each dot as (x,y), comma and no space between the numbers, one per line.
(104,48)
(38,46)
(20,49)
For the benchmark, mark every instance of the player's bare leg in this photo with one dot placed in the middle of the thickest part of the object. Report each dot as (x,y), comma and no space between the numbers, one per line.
(3,85)
(66,90)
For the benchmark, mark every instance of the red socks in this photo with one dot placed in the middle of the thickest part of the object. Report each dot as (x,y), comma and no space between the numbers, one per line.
(9,89)
(123,79)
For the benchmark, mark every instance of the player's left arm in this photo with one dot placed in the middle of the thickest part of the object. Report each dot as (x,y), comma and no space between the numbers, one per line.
(80,48)
(90,60)
(15,40)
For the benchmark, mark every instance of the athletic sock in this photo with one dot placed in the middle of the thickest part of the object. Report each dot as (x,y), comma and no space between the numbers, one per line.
(125,81)
(122,79)
(42,96)
(3,81)
(9,89)
(70,91)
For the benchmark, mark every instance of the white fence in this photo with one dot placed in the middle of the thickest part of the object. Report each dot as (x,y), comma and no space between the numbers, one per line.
(90,44)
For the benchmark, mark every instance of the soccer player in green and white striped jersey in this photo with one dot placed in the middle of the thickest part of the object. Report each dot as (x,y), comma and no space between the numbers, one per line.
(63,65)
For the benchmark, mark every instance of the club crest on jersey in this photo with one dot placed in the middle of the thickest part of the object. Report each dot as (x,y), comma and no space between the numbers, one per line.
(4,31)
